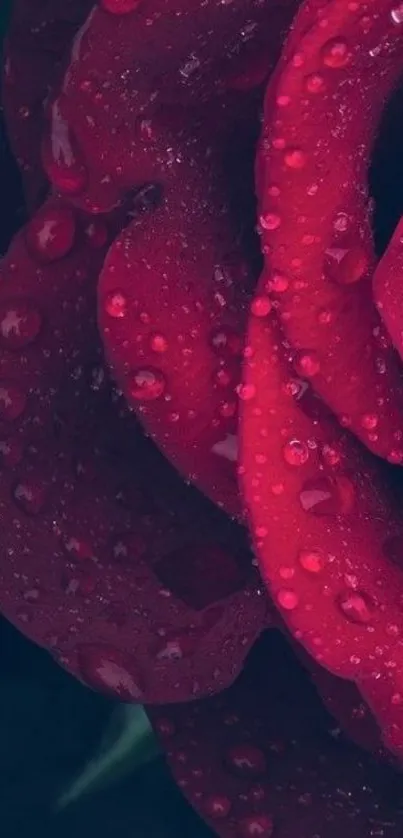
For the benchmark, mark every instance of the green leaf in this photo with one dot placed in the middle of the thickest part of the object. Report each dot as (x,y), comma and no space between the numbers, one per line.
(128,743)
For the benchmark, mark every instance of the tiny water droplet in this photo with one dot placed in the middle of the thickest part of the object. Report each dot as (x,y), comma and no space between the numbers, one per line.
(307,364)
(246,761)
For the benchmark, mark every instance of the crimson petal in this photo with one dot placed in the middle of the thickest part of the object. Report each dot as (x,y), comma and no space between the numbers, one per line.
(261,760)
(314,213)
(37,39)
(323,522)
(90,553)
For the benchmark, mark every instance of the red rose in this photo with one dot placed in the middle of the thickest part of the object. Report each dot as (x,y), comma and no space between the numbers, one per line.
(141,122)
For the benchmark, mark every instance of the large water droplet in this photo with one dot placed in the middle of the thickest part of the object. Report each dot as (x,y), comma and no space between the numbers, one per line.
(20,323)
(295,452)
(311,560)
(335,53)
(51,233)
(294,158)
(307,363)
(147,384)
(30,496)
(356,606)
(287,599)
(116,304)
(12,401)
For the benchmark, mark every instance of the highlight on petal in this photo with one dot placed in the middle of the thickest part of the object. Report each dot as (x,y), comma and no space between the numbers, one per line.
(315,214)
(38,37)
(261,759)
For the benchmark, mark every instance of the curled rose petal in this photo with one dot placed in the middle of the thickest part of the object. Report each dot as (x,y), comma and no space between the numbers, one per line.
(172,298)
(37,39)
(325,528)
(261,760)
(185,52)
(314,214)
(127,586)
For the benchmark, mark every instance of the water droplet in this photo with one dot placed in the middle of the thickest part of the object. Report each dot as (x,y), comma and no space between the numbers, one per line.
(307,364)
(175,647)
(278,283)
(330,455)
(261,306)
(78,549)
(271,221)
(217,806)
(12,401)
(356,606)
(226,341)
(119,7)
(294,158)
(158,343)
(335,53)
(20,323)
(328,496)
(246,392)
(295,452)
(147,384)
(314,83)
(60,156)
(50,234)
(369,421)
(116,304)
(311,560)
(287,599)
(256,826)
(30,497)
(97,234)
(246,761)
(110,671)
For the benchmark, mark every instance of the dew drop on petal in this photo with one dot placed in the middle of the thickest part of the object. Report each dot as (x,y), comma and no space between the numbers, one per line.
(356,606)
(311,560)
(246,761)
(51,233)
(307,364)
(335,53)
(256,826)
(217,806)
(20,323)
(116,304)
(295,452)
(294,158)
(147,384)
(287,599)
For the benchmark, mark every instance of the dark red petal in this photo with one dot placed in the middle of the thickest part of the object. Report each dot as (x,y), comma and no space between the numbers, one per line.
(261,760)
(94,530)
(323,522)
(185,52)
(38,36)
(314,214)
(172,298)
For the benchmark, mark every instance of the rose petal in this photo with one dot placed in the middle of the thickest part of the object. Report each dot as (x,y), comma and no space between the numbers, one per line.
(37,38)
(260,759)
(88,548)
(323,523)
(314,214)
(185,52)
(172,298)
